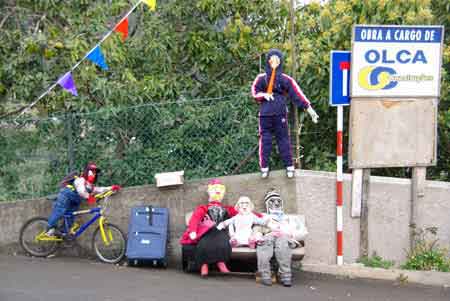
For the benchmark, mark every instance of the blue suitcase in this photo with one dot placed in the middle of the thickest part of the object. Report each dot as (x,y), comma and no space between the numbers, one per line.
(148,232)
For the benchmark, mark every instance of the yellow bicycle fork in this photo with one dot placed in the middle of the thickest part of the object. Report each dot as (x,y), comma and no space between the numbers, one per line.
(103,233)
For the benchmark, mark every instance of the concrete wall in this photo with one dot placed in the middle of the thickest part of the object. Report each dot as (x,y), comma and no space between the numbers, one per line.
(316,199)
(311,193)
(389,217)
(14,214)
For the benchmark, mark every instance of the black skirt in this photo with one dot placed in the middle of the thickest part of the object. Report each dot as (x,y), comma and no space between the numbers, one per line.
(214,246)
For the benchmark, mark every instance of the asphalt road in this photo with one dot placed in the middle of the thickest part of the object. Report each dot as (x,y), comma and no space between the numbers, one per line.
(56,279)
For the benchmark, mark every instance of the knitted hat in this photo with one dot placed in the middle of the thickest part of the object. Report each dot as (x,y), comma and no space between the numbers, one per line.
(273,200)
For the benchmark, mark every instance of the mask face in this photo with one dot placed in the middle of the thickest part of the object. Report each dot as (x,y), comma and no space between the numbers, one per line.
(244,206)
(274,205)
(91,176)
(216,192)
(274,61)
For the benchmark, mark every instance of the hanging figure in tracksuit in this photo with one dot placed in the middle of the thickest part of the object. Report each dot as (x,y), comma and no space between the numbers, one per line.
(271,90)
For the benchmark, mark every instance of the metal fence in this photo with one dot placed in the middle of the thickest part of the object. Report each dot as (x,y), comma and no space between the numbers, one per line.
(205,138)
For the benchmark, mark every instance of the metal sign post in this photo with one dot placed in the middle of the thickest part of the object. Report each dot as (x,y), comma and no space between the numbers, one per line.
(339,97)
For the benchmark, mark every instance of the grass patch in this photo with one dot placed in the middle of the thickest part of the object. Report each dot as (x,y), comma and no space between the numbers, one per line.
(376,261)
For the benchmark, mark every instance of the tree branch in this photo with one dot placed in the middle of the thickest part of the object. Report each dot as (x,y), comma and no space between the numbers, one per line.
(36,28)
(5,18)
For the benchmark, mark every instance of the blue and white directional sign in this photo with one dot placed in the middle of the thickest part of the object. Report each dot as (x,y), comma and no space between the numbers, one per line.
(339,78)
(396,61)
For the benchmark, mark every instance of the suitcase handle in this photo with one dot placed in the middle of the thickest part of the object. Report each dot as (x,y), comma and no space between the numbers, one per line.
(146,232)
(150,215)
(150,211)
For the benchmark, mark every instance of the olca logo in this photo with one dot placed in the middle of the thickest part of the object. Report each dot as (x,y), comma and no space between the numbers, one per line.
(383,78)
(376,78)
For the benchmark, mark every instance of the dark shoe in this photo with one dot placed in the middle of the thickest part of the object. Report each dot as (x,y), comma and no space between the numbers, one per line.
(286,282)
(70,237)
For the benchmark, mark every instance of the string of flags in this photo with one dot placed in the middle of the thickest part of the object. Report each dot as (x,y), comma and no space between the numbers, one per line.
(95,55)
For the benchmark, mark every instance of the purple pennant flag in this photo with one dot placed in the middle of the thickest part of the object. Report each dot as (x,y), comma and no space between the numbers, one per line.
(66,81)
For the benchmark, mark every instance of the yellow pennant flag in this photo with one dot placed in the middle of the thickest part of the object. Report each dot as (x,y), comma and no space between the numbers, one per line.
(151,4)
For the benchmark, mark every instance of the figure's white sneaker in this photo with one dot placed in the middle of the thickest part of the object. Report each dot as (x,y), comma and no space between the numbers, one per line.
(290,172)
(51,232)
(264,173)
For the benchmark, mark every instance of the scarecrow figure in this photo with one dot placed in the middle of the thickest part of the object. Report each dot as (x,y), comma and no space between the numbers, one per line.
(271,90)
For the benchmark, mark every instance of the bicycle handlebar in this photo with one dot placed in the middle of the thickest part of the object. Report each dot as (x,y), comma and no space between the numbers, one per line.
(103,195)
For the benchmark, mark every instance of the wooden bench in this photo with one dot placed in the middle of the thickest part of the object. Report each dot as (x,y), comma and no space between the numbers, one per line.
(245,254)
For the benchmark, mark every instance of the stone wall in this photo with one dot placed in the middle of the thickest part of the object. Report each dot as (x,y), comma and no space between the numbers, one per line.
(311,193)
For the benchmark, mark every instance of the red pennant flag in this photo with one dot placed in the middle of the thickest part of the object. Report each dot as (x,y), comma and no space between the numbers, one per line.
(122,27)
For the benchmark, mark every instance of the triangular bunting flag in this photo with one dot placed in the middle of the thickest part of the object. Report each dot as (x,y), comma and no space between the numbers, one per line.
(122,27)
(151,4)
(66,81)
(96,57)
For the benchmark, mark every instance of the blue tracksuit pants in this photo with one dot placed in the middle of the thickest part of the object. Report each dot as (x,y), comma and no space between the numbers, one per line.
(276,125)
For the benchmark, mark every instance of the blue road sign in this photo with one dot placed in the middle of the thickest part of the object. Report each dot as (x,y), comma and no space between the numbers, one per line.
(339,78)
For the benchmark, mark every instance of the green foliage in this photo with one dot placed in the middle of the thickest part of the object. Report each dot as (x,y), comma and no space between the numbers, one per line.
(130,144)
(31,160)
(376,261)
(427,255)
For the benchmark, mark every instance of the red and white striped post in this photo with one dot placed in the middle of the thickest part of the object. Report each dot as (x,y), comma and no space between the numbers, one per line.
(339,178)
(345,67)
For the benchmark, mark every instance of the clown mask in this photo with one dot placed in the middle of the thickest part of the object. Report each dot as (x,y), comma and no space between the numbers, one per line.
(216,191)
(244,205)
(91,176)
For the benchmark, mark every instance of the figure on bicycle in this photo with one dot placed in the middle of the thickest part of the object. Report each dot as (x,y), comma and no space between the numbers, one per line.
(73,191)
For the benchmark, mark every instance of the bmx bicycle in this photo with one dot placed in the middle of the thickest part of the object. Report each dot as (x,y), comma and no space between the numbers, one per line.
(108,241)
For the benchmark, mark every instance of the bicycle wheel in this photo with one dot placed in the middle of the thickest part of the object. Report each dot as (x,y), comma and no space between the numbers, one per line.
(113,250)
(29,241)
